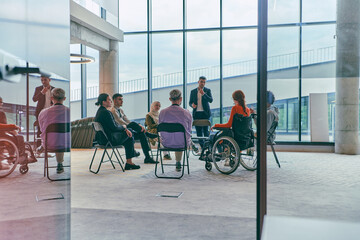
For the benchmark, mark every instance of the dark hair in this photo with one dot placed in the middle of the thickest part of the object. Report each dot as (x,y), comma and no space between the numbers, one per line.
(202,78)
(116,95)
(239,96)
(270,98)
(102,97)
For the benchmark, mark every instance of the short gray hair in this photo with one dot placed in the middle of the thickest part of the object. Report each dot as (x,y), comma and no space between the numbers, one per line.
(58,94)
(175,95)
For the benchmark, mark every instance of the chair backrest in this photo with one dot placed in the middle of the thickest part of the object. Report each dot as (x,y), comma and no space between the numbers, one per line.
(100,135)
(201,123)
(57,128)
(172,128)
(242,129)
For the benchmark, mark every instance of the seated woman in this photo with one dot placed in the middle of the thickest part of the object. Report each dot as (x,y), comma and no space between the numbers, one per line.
(152,121)
(239,108)
(117,134)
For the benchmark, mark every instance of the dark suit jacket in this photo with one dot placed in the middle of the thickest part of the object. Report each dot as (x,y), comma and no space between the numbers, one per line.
(206,99)
(40,99)
(114,131)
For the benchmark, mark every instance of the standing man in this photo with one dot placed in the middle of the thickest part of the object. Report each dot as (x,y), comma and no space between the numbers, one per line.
(139,131)
(200,98)
(42,96)
(58,113)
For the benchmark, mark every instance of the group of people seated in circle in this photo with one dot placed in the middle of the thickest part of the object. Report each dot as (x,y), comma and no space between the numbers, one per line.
(121,131)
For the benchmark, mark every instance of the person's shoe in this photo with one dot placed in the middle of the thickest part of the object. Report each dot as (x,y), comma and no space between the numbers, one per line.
(202,158)
(178,166)
(151,135)
(167,157)
(227,163)
(131,166)
(196,150)
(136,154)
(149,160)
(39,150)
(60,168)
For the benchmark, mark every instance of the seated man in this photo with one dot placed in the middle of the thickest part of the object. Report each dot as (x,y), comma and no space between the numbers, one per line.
(138,130)
(176,114)
(57,113)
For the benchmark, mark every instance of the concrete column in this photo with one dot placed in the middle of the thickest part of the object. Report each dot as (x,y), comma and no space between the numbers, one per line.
(347,77)
(109,69)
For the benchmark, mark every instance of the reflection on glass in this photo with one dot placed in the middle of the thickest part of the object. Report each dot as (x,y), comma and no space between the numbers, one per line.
(167,66)
(92,80)
(283,11)
(203,60)
(203,14)
(239,13)
(133,74)
(75,83)
(319,10)
(133,15)
(167,14)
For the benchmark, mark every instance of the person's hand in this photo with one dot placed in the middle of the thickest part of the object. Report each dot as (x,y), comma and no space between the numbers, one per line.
(193,105)
(201,91)
(142,128)
(252,111)
(45,89)
(128,132)
(211,129)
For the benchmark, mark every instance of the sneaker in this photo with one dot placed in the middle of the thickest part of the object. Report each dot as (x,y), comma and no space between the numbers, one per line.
(227,163)
(60,168)
(167,157)
(131,166)
(149,160)
(39,150)
(178,166)
(151,135)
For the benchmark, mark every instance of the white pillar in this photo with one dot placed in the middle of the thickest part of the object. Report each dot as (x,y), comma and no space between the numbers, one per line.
(109,69)
(347,77)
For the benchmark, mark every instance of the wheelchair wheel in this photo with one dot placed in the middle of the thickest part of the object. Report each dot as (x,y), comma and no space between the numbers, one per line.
(248,159)
(225,155)
(9,156)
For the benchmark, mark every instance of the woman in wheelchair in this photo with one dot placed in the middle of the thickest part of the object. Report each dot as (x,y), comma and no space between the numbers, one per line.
(225,148)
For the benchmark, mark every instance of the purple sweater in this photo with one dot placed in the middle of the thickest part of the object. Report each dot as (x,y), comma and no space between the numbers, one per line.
(176,114)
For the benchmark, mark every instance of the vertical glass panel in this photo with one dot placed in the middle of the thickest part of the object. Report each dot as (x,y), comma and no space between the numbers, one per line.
(167,63)
(75,84)
(167,14)
(283,11)
(133,74)
(133,15)
(318,10)
(204,60)
(92,80)
(283,61)
(318,75)
(239,67)
(203,14)
(239,13)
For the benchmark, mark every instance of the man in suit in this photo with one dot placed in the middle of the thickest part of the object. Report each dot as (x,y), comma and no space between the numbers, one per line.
(139,131)
(42,96)
(200,98)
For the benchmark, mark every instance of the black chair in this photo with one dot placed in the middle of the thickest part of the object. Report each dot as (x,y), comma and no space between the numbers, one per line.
(103,142)
(151,150)
(172,128)
(270,139)
(55,128)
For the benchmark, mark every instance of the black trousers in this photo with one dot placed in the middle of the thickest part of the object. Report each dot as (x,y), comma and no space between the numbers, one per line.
(118,139)
(201,131)
(138,135)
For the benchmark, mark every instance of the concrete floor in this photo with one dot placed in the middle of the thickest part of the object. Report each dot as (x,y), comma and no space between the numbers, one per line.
(123,205)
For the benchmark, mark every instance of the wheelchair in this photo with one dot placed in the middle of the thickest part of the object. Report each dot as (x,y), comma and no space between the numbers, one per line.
(14,151)
(230,147)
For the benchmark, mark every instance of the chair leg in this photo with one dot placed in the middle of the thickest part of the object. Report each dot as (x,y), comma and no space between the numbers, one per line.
(120,156)
(110,157)
(187,159)
(276,158)
(117,158)
(101,161)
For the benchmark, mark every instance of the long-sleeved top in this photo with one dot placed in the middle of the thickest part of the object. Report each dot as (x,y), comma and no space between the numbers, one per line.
(106,119)
(119,116)
(272,116)
(176,114)
(205,100)
(234,109)
(41,99)
(57,113)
